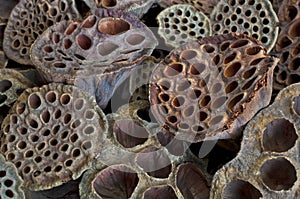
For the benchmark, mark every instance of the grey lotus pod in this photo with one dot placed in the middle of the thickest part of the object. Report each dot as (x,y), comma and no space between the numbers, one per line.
(96,54)
(267,165)
(28,20)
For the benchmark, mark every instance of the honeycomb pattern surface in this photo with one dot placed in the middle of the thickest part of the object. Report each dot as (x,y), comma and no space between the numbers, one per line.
(211,87)
(255,18)
(179,24)
(10,181)
(28,20)
(52,134)
(269,150)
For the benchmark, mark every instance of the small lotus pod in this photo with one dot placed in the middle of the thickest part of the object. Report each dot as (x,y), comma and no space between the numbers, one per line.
(210,88)
(10,181)
(139,78)
(179,24)
(287,71)
(201,5)
(12,84)
(255,18)
(52,134)
(6,8)
(28,20)
(267,165)
(289,10)
(115,182)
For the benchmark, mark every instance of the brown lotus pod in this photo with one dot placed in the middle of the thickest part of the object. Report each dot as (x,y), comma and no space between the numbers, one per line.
(201,5)
(139,79)
(288,11)
(10,181)
(179,24)
(28,20)
(267,165)
(287,49)
(52,134)
(212,87)
(12,84)
(255,18)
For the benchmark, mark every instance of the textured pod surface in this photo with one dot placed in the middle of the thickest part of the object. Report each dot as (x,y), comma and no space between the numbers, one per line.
(12,84)
(10,181)
(211,87)
(289,10)
(267,165)
(255,18)
(28,20)
(52,134)
(179,24)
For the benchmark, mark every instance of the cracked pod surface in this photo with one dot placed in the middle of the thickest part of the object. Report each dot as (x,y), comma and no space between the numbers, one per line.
(10,181)
(28,20)
(12,84)
(179,24)
(287,49)
(255,18)
(270,150)
(52,134)
(212,87)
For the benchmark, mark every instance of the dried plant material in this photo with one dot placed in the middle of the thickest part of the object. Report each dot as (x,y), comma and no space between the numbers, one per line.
(3,60)
(201,5)
(289,11)
(276,5)
(212,87)
(287,49)
(270,149)
(28,20)
(255,18)
(10,181)
(179,24)
(12,84)
(160,192)
(52,134)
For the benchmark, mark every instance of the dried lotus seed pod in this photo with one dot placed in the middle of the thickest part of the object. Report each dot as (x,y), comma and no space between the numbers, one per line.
(289,11)
(10,181)
(255,18)
(12,84)
(28,20)
(52,134)
(210,88)
(270,150)
(179,24)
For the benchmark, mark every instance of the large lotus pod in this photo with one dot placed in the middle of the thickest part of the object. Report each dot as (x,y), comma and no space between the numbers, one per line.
(28,20)
(201,5)
(12,84)
(52,134)
(100,43)
(179,24)
(255,18)
(140,76)
(289,10)
(267,165)
(287,71)
(211,88)
(10,181)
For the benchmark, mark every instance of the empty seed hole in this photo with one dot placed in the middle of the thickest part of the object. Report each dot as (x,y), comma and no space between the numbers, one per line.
(135,39)
(113,26)
(235,101)
(232,69)
(84,42)
(34,101)
(89,22)
(107,48)
(173,69)
(188,54)
(240,189)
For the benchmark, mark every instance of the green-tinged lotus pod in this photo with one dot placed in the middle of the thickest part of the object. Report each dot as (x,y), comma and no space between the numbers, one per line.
(179,24)
(28,20)
(10,181)
(267,165)
(201,5)
(208,89)
(255,18)
(52,134)
(12,84)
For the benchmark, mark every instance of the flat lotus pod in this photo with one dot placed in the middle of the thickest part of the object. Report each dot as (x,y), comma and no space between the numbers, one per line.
(210,88)
(28,20)
(289,10)
(179,24)
(12,84)
(270,150)
(10,181)
(102,40)
(52,134)
(255,18)
(201,5)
